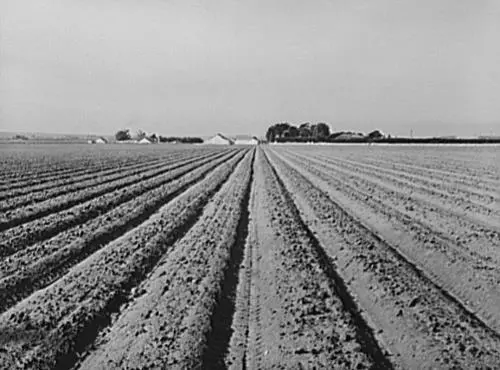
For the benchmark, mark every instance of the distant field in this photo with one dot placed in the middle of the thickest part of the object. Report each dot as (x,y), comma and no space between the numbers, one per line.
(280,256)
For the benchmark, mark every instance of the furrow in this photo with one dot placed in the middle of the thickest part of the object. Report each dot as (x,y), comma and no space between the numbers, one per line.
(423,323)
(60,179)
(469,276)
(468,212)
(19,237)
(22,216)
(446,192)
(44,271)
(473,186)
(44,176)
(246,298)
(174,303)
(30,195)
(364,333)
(54,326)
(473,237)
(218,339)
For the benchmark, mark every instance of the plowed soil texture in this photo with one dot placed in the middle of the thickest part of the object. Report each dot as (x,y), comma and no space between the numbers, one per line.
(249,257)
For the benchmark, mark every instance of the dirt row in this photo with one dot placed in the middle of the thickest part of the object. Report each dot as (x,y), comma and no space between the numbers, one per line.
(21,236)
(52,327)
(420,321)
(423,197)
(25,214)
(168,323)
(42,164)
(47,180)
(474,232)
(75,182)
(458,180)
(466,267)
(46,177)
(470,162)
(292,309)
(445,192)
(43,263)
(439,165)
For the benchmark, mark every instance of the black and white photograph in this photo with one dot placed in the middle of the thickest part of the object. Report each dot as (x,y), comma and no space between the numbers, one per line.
(250,184)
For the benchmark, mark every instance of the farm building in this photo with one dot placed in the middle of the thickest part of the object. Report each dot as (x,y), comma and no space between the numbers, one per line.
(245,140)
(99,140)
(219,139)
(144,140)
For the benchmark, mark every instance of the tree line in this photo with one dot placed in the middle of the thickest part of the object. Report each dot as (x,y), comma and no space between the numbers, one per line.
(125,135)
(319,132)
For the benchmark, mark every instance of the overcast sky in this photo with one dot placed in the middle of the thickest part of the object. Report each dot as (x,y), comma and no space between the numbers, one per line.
(199,67)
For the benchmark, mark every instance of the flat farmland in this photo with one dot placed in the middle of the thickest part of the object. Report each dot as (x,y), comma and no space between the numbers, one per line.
(276,256)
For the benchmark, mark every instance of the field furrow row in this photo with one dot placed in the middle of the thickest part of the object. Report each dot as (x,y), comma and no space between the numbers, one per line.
(79,167)
(477,184)
(90,178)
(471,162)
(422,323)
(476,231)
(51,328)
(306,318)
(19,237)
(442,191)
(176,302)
(32,197)
(24,273)
(23,215)
(478,214)
(279,256)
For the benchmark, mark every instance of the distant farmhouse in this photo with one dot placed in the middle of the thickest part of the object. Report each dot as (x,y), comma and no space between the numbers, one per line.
(245,140)
(145,140)
(99,140)
(220,139)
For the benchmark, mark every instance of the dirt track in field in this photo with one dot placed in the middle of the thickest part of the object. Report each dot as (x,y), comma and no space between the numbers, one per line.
(349,257)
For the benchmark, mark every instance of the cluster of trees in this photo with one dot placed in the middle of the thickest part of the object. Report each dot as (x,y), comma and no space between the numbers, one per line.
(184,140)
(124,135)
(319,132)
(20,137)
(284,130)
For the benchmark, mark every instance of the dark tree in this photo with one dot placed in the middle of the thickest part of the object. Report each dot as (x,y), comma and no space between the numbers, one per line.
(294,131)
(375,135)
(153,138)
(271,134)
(321,130)
(123,135)
(305,130)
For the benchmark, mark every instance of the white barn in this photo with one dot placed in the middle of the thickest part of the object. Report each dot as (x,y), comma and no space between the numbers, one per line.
(99,140)
(144,140)
(219,139)
(245,140)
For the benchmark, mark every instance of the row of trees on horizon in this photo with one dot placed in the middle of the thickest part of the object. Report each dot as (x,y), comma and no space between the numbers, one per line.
(286,132)
(125,135)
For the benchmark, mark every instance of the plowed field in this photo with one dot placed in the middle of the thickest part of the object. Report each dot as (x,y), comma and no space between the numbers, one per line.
(269,257)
